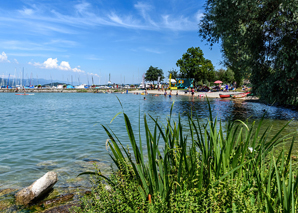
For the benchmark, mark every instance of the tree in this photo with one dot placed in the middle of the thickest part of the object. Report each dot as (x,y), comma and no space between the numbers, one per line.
(194,65)
(229,76)
(153,73)
(260,41)
(174,73)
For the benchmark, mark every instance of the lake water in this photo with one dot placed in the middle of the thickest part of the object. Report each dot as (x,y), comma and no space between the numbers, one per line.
(63,132)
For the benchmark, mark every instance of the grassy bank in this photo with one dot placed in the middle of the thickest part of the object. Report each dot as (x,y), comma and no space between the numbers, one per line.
(201,168)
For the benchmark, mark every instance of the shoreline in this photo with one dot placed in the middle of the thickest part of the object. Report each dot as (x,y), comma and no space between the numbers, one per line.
(196,94)
(150,92)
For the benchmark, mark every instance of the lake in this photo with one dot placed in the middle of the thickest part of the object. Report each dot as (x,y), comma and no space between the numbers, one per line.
(63,132)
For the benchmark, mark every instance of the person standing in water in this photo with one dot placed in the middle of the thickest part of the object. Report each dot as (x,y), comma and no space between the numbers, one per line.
(192,91)
(177,93)
(170,95)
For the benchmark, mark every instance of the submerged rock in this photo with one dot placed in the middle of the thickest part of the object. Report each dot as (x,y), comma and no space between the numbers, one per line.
(61,209)
(56,201)
(37,189)
(8,191)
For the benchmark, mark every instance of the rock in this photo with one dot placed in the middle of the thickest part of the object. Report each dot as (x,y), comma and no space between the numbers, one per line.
(61,209)
(4,192)
(56,201)
(37,189)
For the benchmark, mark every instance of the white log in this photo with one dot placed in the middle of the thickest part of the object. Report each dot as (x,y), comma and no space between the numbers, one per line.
(36,189)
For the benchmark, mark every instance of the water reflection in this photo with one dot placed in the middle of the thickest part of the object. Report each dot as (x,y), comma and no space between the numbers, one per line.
(224,109)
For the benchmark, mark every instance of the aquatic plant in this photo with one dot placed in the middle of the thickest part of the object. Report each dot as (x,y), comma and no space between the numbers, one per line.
(202,167)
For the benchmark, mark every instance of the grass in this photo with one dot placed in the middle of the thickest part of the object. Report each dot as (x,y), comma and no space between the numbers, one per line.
(201,168)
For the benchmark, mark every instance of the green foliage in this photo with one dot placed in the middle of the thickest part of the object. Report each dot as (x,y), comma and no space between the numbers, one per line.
(153,73)
(200,83)
(226,76)
(259,41)
(174,73)
(201,168)
(194,65)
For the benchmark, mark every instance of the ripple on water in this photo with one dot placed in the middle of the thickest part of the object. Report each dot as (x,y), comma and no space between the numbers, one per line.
(63,132)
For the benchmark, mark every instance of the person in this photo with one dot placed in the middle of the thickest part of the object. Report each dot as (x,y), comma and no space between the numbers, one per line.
(170,95)
(165,92)
(144,98)
(192,91)
(177,93)
(227,88)
(146,93)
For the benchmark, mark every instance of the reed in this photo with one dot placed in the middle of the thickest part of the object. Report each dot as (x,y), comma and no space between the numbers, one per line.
(202,158)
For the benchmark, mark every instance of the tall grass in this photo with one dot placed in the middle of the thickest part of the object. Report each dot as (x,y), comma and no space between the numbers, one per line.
(202,161)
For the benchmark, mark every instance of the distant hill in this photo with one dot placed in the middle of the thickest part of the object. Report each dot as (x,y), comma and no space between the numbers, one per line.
(34,81)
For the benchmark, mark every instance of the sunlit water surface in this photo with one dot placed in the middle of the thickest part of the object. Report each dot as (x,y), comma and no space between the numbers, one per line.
(63,132)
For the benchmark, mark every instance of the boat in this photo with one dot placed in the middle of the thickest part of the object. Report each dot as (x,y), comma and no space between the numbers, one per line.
(21,94)
(224,96)
(241,95)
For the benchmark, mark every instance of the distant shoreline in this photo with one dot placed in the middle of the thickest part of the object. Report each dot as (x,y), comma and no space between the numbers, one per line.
(150,92)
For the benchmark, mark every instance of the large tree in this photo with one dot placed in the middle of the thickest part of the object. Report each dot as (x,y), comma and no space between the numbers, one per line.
(194,65)
(153,73)
(259,40)
(174,73)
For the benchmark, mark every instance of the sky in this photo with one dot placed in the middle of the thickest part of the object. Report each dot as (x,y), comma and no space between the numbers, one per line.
(65,39)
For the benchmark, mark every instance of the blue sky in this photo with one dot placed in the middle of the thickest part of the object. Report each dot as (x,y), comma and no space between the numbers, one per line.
(61,38)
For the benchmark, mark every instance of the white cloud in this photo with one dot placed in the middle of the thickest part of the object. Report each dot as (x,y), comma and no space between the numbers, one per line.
(3,58)
(16,61)
(26,11)
(143,9)
(94,74)
(199,15)
(51,63)
(179,23)
(77,70)
(64,66)
(82,7)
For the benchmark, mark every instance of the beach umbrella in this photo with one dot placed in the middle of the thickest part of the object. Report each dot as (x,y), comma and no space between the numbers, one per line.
(218,82)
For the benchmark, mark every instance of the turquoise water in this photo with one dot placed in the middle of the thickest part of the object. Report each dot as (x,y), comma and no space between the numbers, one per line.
(63,132)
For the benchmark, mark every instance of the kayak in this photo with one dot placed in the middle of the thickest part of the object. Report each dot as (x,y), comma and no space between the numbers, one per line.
(241,95)
(21,94)
(224,96)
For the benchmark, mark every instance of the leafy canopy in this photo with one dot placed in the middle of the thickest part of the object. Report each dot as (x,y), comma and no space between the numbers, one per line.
(153,73)
(194,65)
(259,40)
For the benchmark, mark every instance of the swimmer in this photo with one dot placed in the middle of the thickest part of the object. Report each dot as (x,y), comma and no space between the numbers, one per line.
(144,98)
(177,93)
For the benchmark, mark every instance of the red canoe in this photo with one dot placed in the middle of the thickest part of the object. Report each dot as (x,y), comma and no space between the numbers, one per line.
(224,96)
